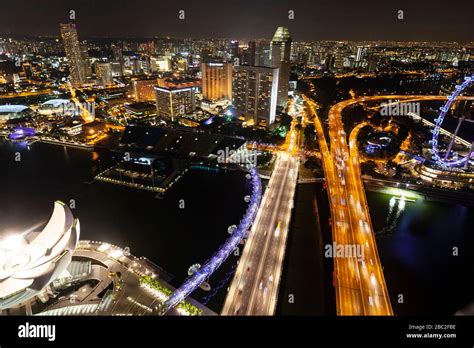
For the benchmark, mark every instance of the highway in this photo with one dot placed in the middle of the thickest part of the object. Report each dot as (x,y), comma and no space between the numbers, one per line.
(360,286)
(254,289)
(358,279)
(349,291)
(371,290)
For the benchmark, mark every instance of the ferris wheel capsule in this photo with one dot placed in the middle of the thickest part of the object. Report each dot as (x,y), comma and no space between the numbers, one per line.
(439,121)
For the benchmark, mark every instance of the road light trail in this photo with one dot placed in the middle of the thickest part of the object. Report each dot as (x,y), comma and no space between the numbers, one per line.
(347,274)
(254,289)
(360,286)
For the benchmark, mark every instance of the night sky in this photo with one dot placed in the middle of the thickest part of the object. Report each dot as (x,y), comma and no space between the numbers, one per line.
(435,20)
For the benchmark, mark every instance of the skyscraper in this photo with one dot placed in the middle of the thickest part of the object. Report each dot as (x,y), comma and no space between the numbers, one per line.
(361,50)
(262,53)
(103,72)
(329,61)
(74,54)
(86,62)
(216,80)
(250,54)
(135,65)
(338,60)
(234,50)
(280,50)
(254,93)
(173,102)
(143,89)
(373,62)
(161,63)
(27,69)
(118,57)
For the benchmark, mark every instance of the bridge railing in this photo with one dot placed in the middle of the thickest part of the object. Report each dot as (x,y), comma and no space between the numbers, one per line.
(193,282)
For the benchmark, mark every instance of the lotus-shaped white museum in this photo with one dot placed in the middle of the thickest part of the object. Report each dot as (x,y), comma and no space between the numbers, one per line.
(31,261)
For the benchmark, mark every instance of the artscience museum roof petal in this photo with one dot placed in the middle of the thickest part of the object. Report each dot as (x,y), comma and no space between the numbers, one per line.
(30,262)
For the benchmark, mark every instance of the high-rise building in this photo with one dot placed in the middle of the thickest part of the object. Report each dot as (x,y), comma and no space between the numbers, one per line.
(86,62)
(373,62)
(254,93)
(234,50)
(250,53)
(338,60)
(216,80)
(143,89)
(280,50)
(206,53)
(262,53)
(117,69)
(182,64)
(118,57)
(145,64)
(160,64)
(329,61)
(135,65)
(360,56)
(28,71)
(173,102)
(360,53)
(74,54)
(103,71)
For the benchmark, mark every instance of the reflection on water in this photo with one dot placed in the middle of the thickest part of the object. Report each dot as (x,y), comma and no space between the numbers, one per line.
(425,248)
(392,216)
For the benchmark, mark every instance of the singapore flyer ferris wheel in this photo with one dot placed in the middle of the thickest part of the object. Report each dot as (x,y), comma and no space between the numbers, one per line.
(445,160)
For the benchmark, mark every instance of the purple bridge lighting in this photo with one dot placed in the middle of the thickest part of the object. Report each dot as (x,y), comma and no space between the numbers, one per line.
(193,282)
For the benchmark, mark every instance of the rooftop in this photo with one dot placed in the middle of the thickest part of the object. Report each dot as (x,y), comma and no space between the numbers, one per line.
(6,109)
(178,141)
(140,106)
(56,102)
(282,34)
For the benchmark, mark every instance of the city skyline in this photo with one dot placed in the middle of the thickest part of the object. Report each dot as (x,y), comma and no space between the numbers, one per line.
(311,21)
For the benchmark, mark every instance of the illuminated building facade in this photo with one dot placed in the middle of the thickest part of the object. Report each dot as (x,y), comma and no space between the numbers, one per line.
(182,64)
(29,262)
(86,62)
(10,112)
(280,50)
(104,73)
(160,64)
(262,53)
(216,80)
(172,102)
(234,49)
(74,54)
(254,93)
(118,57)
(249,57)
(143,89)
